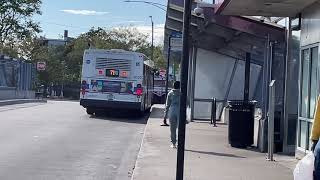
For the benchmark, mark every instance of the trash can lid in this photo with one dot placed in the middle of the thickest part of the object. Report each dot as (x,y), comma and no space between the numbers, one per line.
(241,102)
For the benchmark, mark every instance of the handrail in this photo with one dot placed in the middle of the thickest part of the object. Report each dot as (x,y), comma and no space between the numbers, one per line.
(213,101)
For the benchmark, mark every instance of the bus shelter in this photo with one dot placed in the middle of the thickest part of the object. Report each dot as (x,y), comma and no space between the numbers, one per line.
(303,22)
(221,47)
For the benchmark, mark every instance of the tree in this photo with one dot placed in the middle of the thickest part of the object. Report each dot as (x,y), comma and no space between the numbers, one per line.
(16,21)
(9,50)
(159,58)
(126,38)
(64,62)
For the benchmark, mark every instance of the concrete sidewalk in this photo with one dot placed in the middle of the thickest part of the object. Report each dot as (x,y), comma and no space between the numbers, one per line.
(208,156)
(20,101)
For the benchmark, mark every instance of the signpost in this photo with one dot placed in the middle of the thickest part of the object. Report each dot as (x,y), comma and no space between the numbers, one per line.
(175,44)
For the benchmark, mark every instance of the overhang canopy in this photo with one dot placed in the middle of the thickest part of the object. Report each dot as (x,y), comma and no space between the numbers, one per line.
(229,35)
(275,8)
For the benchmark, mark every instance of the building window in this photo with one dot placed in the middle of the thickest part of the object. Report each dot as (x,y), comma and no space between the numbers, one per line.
(314,81)
(305,83)
(303,134)
(309,93)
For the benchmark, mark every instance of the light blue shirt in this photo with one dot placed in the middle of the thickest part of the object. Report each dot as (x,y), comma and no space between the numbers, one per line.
(173,103)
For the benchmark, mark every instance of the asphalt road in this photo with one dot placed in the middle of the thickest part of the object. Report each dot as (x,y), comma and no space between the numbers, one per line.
(58,140)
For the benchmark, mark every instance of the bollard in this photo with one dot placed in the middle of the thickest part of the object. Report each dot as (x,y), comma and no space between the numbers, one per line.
(214,112)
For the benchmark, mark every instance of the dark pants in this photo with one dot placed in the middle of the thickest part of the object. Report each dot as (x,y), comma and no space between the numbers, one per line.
(317,162)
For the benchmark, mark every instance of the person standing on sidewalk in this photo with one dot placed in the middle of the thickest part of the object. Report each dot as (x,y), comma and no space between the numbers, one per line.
(315,134)
(172,111)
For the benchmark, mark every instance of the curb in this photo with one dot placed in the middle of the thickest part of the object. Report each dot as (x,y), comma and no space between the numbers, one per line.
(21,101)
(154,110)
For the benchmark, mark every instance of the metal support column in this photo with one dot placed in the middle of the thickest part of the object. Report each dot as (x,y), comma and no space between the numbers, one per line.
(271,60)
(247,77)
(271,121)
(189,77)
(193,79)
(265,79)
(265,99)
(286,74)
(184,87)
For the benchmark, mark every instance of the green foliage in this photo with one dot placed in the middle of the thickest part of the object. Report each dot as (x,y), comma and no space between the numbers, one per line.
(9,50)
(159,58)
(119,38)
(18,39)
(64,62)
(16,21)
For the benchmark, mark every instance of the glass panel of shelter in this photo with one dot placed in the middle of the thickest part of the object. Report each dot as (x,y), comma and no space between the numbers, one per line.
(309,93)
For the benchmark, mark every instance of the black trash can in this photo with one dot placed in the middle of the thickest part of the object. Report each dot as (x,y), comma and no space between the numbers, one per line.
(240,116)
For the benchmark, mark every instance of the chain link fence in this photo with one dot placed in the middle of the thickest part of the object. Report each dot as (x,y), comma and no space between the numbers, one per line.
(16,78)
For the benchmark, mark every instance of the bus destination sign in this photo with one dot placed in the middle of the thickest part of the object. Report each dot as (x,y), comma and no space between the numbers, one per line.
(112,73)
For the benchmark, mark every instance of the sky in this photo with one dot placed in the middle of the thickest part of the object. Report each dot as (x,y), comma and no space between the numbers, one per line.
(78,16)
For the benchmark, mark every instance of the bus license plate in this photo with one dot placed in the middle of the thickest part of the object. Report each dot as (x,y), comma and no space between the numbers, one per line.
(110,97)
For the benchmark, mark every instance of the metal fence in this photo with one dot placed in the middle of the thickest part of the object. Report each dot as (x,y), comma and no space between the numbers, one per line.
(16,73)
(214,113)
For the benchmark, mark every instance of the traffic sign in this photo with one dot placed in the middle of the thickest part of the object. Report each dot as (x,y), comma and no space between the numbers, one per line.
(41,66)
(176,34)
(162,73)
(176,44)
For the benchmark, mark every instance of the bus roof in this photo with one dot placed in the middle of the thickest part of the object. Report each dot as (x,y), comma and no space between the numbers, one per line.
(120,51)
(147,61)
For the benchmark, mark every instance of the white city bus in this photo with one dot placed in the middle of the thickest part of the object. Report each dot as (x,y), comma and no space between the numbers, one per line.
(116,79)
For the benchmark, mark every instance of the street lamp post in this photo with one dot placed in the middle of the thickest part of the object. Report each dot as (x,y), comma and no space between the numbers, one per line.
(184,87)
(152,33)
(162,7)
(167,78)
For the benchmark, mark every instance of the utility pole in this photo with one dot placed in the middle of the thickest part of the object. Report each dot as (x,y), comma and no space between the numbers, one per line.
(184,89)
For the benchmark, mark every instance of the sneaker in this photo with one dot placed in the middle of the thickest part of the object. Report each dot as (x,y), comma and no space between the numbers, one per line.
(173,146)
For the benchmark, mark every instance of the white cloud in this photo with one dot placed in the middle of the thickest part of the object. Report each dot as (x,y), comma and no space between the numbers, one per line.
(84,12)
(158,32)
(127,22)
(147,30)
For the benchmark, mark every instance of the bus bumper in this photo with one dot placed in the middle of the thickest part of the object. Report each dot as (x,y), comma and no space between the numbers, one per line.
(102,104)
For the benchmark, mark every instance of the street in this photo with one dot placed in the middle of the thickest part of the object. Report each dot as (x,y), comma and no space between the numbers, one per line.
(58,140)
